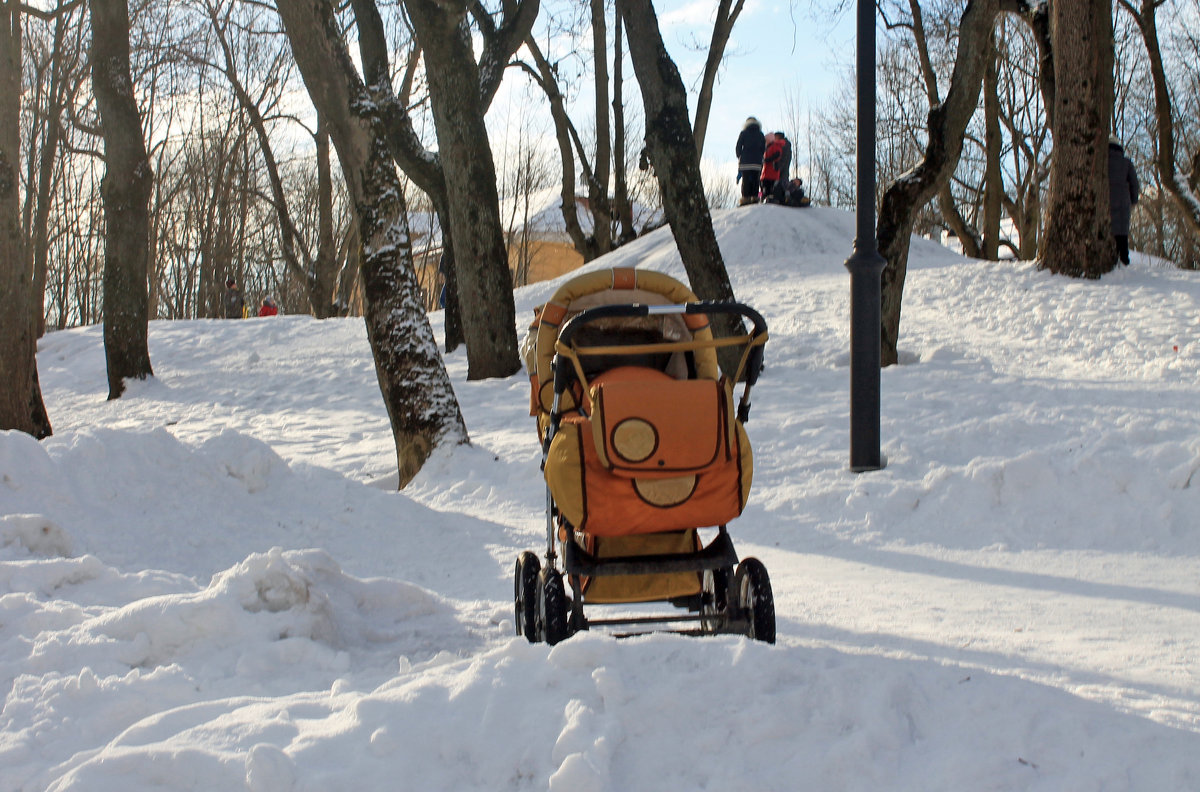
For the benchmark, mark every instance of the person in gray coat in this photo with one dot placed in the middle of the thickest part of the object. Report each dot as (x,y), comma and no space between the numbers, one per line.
(1123,191)
(233,304)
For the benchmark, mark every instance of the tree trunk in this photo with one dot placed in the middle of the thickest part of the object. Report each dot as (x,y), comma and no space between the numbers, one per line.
(481,261)
(423,167)
(125,191)
(1078,237)
(584,244)
(602,225)
(420,401)
(324,265)
(621,204)
(18,345)
(945,127)
(672,151)
(455,336)
(993,184)
(727,13)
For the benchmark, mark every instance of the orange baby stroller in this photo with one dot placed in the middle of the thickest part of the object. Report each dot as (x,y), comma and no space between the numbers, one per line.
(642,450)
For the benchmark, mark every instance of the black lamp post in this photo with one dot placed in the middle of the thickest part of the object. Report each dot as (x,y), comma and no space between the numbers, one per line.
(866,267)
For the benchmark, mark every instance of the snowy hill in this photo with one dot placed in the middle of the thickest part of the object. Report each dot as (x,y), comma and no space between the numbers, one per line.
(210,584)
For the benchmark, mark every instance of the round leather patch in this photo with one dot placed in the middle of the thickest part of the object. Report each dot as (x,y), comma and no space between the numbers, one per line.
(634,440)
(665,492)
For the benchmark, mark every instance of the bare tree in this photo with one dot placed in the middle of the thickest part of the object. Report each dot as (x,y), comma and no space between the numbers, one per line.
(673,155)
(727,14)
(18,339)
(420,401)
(460,89)
(318,269)
(1185,195)
(947,122)
(128,181)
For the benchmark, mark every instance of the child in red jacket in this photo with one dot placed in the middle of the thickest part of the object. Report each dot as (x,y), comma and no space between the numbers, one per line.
(770,171)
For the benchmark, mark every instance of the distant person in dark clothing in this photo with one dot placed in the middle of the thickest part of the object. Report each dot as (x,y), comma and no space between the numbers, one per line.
(791,193)
(233,304)
(1123,191)
(751,145)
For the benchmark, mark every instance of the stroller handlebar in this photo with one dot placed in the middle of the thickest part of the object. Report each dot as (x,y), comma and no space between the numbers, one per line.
(753,361)
(637,309)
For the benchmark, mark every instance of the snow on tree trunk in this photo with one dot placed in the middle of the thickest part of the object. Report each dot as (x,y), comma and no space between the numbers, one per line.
(416,389)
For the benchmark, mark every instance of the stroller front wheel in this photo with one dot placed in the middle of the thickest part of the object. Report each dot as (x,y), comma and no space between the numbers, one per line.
(552,607)
(525,595)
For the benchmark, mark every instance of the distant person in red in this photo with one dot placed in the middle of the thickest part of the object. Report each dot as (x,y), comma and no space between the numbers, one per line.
(268,307)
(770,169)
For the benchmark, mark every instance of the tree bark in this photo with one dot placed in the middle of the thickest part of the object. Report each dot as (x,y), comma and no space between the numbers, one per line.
(18,345)
(420,401)
(481,260)
(601,211)
(993,179)
(1078,236)
(672,151)
(423,167)
(728,12)
(125,190)
(945,127)
(621,203)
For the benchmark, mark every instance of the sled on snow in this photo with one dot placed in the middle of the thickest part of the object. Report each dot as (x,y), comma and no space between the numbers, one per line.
(643,453)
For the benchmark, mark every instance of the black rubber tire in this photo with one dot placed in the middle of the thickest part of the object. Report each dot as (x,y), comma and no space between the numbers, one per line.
(525,587)
(552,607)
(714,599)
(756,600)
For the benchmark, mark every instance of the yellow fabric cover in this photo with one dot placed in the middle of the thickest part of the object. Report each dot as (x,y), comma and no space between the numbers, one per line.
(642,588)
(619,285)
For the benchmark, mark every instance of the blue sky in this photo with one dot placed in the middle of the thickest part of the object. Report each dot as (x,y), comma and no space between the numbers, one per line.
(778,49)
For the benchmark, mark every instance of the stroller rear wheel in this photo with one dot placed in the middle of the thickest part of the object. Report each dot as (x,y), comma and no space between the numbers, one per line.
(756,600)
(552,607)
(714,599)
(525,589)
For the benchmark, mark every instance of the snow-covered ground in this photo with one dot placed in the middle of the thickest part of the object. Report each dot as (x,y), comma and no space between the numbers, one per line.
(210,584)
